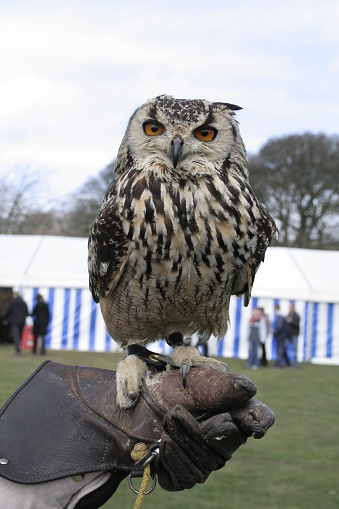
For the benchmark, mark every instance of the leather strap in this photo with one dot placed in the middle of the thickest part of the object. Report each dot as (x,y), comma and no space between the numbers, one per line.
(154,361)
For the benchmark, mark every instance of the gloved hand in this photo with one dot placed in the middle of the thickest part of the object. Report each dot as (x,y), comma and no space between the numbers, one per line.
(187,450)
(205,423)
(64,421)
(190,451)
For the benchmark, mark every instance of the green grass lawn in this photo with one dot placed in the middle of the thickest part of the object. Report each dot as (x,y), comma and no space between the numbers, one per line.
(295,466)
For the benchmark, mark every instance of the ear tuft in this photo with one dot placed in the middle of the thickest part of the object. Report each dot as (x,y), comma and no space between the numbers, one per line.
(226,106)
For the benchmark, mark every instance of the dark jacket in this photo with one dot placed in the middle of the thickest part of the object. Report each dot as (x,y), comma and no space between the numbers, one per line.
(41,314)
(17,311)
(293,320)
(281,328)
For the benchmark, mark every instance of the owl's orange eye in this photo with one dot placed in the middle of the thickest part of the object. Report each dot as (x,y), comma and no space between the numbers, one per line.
(153,128)
(205,133)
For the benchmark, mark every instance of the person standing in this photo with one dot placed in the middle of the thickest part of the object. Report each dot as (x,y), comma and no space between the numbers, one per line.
(16,313)
(263,360)
(281,335)
(5,327)
(41,321)
(256,335)
(293,321)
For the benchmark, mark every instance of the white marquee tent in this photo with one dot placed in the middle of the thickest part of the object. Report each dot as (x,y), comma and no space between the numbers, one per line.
(57,268)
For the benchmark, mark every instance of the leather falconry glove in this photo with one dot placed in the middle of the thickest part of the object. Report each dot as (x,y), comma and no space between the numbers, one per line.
(63,421)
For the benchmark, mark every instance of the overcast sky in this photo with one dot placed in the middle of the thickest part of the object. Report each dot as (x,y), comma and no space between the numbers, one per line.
(72,72)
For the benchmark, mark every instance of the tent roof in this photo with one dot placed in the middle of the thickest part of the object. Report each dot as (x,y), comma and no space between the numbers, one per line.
(43,261)
(300,274)
(47,261)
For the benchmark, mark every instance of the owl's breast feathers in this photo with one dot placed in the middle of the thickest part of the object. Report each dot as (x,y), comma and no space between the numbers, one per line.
(209,231)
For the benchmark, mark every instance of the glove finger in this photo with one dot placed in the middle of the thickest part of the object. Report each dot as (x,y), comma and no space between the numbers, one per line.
(216,425)
(185,431)
(253,418)
(206,390)
(222,434)
(176,470)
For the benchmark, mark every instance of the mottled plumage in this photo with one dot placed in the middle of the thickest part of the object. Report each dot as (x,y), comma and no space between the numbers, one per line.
(180,229)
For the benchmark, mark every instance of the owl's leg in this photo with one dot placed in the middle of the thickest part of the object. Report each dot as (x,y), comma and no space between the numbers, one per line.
(189,356)
(129,375)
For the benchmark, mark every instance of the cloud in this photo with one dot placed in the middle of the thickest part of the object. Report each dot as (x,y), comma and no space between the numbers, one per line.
(73,72)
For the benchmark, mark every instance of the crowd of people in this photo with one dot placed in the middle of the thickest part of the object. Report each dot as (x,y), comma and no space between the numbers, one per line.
(286,330)
(15,315)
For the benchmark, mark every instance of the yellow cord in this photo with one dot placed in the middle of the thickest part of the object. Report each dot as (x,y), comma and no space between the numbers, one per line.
(139,452)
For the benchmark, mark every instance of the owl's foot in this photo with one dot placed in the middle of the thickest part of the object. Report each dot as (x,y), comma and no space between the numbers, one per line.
(189,356)
(129,375)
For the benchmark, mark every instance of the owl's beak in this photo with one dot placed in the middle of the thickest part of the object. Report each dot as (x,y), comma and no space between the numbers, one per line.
(176,150)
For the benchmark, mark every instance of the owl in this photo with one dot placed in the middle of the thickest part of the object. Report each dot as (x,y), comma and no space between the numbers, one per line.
(179,231)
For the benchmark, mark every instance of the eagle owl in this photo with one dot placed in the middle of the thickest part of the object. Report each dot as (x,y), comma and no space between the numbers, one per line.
(179,231)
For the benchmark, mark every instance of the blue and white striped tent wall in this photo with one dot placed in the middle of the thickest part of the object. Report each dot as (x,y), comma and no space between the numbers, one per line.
(77,324)
(57,267)
(319,329)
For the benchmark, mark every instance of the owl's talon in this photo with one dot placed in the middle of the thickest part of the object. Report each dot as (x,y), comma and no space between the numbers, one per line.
(129,375)
(133,395)
(189,356)
(184,370)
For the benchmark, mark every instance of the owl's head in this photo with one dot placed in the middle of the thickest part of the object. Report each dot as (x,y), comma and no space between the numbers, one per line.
(185,135)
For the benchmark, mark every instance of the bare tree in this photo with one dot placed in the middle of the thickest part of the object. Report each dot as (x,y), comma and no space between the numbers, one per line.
(82,207)
(23,208)
(297,178)
(21,193)
(41,223)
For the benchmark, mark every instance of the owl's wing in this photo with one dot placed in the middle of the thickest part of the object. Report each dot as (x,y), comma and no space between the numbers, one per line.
(107,250)
(244,278)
